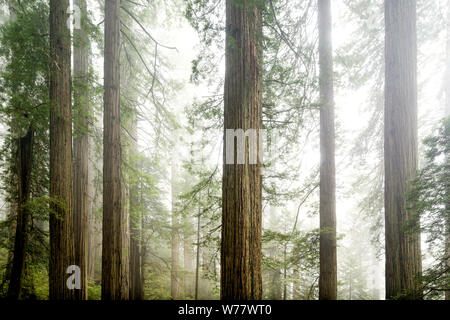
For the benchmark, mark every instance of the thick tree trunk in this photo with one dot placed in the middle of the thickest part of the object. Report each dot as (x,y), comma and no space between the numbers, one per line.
(403,254)
(113,224)
(25,165)
(328,257)
(242,183)
(81,147)
(61,188)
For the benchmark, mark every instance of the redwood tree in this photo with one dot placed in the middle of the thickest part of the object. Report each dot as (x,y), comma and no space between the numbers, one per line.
(24,166)
(403,254)
(241,187)
(81,146)
(61,189)
(328,259)
(113,283)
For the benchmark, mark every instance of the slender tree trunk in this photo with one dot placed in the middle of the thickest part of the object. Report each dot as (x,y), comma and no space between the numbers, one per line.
(197,259)
(113,224)
(188,260)
(81,147)
(174,276)
(61,188)
(328,256)
(275,293)
(447,114)
(296,285)
(136,292)
(242,183)
(143,247)
(93,226)
(350,287)
(25,165)
(285,272)
(403,254)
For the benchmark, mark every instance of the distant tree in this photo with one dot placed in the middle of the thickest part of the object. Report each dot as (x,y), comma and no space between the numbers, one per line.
(81,147)
(328,256)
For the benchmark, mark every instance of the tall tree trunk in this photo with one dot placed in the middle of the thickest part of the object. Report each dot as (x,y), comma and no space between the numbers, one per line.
(242,183)
(447,114)
(113,224)
(81,147)
(403,254)
(61,188)
(328,257)
(174,276)
(25,165)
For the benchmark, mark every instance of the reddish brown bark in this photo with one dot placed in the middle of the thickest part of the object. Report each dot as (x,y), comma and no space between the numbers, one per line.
(81,147)
(242,186)
(403,254)
(61,188)
(113,281)
(328,256)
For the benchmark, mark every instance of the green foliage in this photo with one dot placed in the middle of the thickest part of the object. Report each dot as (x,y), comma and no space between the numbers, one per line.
(430,199)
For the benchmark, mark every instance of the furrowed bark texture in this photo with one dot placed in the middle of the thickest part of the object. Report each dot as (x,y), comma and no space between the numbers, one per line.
(328,257)
(81,147)
(61,189)
(25,165)
(403,254)
(112,286)
(241,188)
